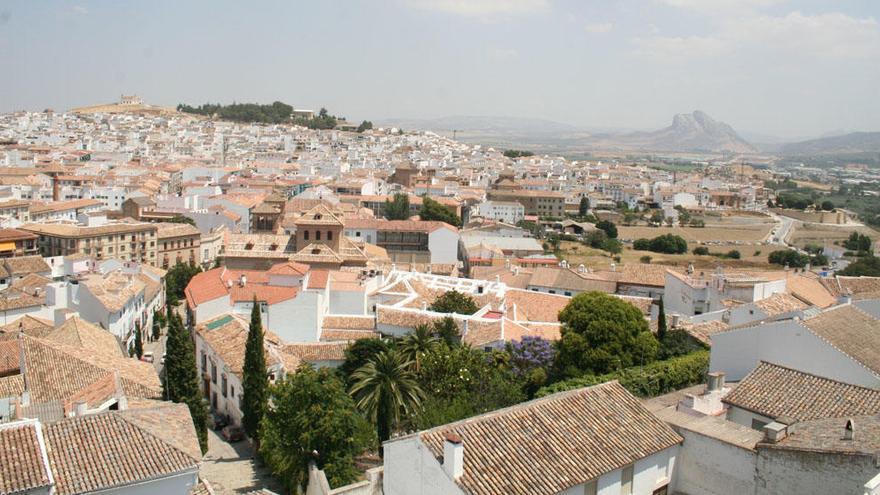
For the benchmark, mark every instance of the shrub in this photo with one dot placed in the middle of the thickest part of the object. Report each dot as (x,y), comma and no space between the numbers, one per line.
(666,243)
(701,251)
(645,260)
(734,254)
(657,378)
(757,252)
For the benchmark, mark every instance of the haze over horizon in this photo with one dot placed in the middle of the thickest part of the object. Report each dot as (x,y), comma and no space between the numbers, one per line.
(783,68)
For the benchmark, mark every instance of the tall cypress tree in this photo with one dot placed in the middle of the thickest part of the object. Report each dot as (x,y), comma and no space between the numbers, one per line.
(182,377)
(255,382)
(661,322)
(138,340)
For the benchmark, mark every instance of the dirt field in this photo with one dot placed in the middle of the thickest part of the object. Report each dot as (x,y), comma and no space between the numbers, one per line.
(807,233)
(734,231)
(576,254)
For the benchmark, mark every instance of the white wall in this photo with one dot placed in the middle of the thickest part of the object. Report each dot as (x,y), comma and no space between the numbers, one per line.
(211,309)
(180,484)
(298,319)
(443,245)
(410,468)
(786,471)
(707,466)
(787,343)
(745,417)
(348,302)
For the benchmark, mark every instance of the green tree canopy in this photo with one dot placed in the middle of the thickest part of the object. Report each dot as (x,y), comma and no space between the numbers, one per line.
(608,227)
(461,382)
(602,333)
(868,266)
(310,417)
(255,382)
(583,206)
(416,344)
(432,210)
(398,208)
(666,243)
(359,353)
(385,389)
(181,383)
(178,218)
(454,302)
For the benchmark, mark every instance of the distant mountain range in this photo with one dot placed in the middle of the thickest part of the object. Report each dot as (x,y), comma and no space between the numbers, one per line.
(695,131)
(688,132)
(854,142)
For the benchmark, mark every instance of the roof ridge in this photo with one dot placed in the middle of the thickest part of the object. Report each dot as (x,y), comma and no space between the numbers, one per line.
(521,406)
(148,432)
(789,368)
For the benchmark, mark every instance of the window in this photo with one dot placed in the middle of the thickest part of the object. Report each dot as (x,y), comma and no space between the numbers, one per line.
(551,291)
(232,391)
(213,373)
(568,293)
(204,362)
(757,424)
(223,385)
(626,482)
(590,487)
(329,235)
(306,234)
(317,235)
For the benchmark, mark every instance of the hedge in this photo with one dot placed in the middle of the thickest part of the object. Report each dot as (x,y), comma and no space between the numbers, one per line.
(654,379)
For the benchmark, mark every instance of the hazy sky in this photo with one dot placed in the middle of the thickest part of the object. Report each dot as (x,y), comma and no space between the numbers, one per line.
(788,68)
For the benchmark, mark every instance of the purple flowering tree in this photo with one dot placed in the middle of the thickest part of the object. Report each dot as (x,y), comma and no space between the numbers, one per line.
(530,360)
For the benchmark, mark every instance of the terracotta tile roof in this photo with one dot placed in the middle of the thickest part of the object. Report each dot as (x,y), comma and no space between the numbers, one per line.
(9,235)
(56,371)
(534,306)
(397,225)
(349,322)
(77,332)
(827,435)
(227,336)
(318,279)
(9,357)
(548,445)
(858,287)
(851,331)
(289,268)
(810,289)
(780,303)
(22,465)
(168,230)
(319,351)
(30,325)
(773,391)
(329,335)
(101,451)
(570,280)
(12,386)
(702,331)
(113,290)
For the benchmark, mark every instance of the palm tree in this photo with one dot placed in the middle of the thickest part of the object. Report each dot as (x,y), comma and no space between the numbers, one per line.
(417,343)
(385,387)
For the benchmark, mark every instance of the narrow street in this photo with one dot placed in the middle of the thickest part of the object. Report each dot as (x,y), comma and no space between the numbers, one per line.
(232,469)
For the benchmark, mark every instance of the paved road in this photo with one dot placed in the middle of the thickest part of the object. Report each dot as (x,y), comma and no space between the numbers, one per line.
(783,229)
(231,468)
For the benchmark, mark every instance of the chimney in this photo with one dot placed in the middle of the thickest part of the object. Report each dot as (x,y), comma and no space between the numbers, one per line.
(849,430)
(56,188)
(453,456)
(243,280)
(122,403)
(675,321)
(844,299)
(775,432)
(507,263)
(582,268)
(690,269)
(79,408)
(497,279)
(424,305)
(229,283)
(613,267)
(716,381)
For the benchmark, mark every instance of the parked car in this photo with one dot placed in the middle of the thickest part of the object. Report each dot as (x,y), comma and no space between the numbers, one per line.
(147,357)
(232,433)
(217,421)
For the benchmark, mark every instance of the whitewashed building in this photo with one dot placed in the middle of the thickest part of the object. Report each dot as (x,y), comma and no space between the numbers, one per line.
(596,440)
